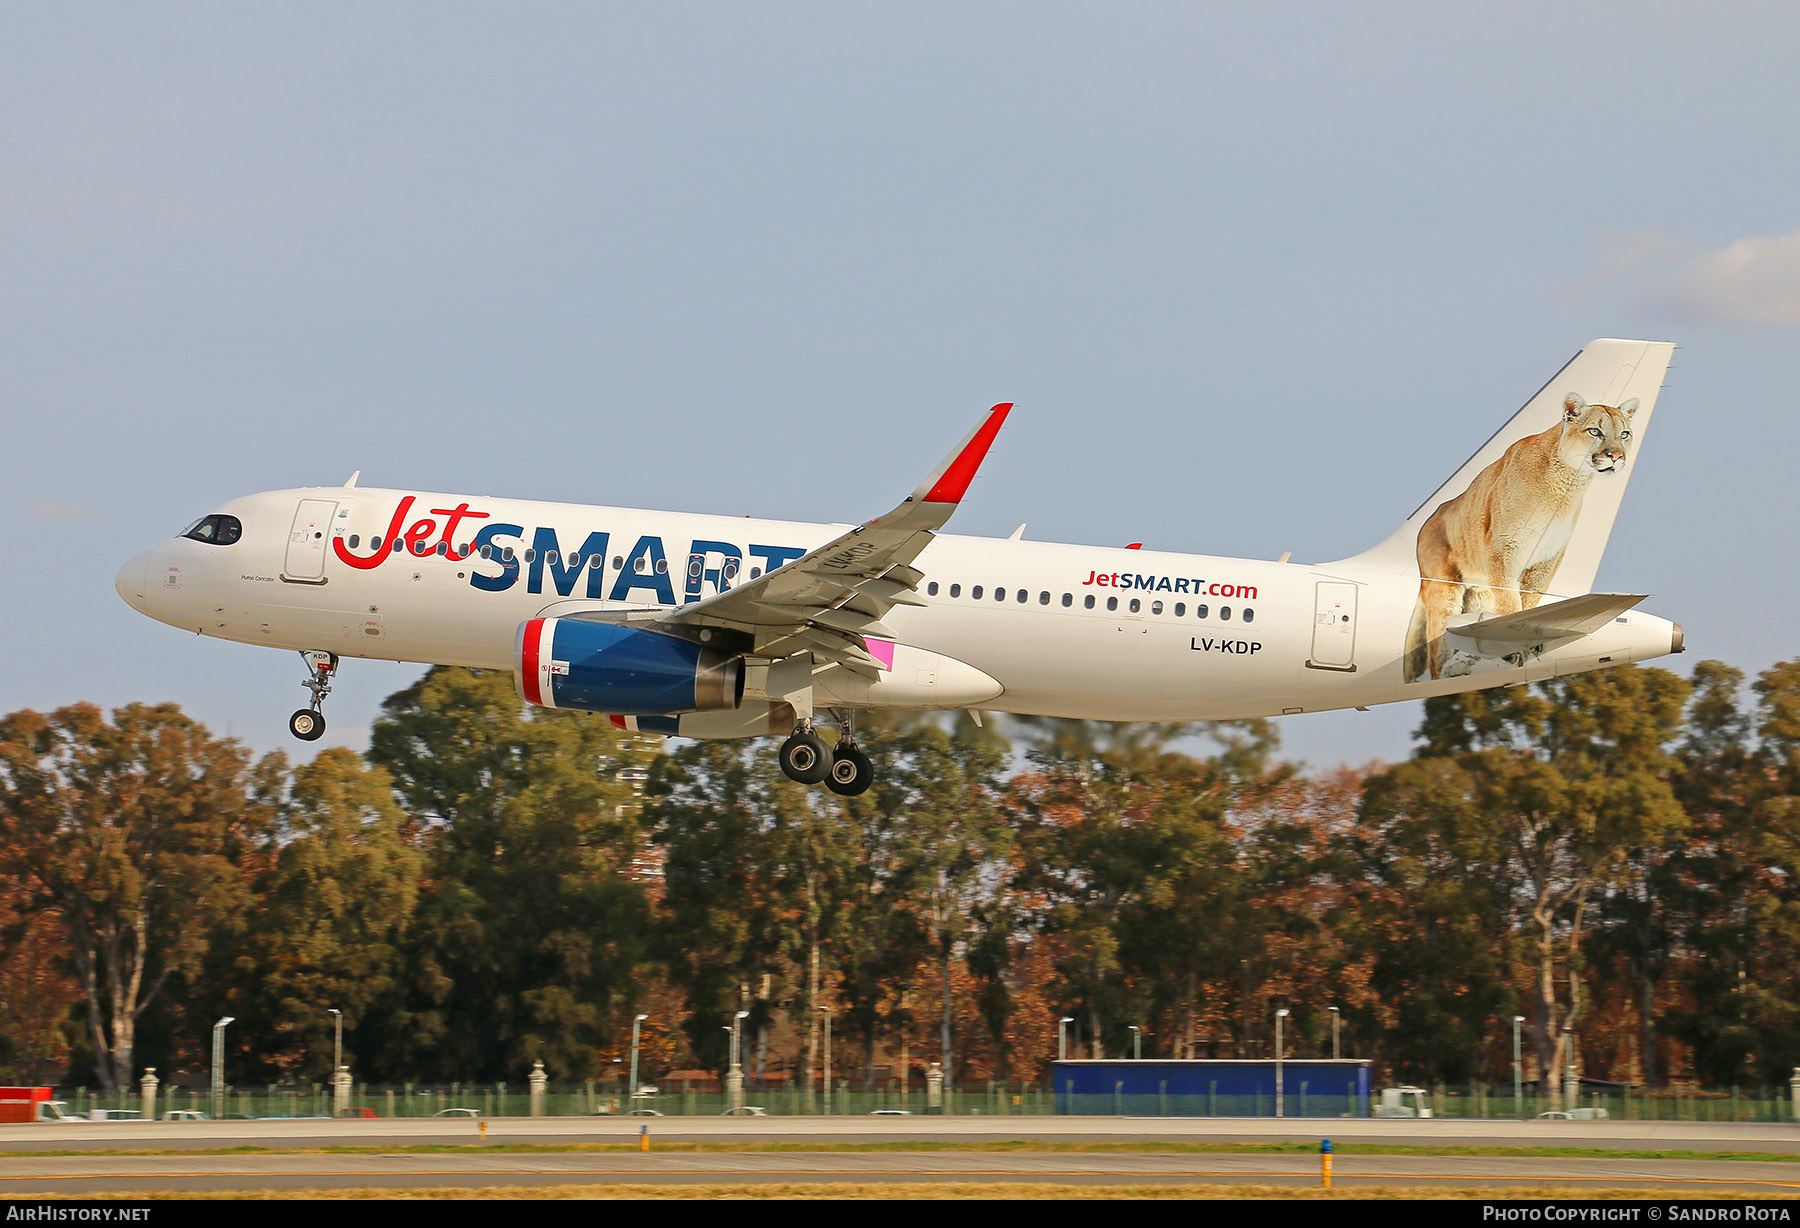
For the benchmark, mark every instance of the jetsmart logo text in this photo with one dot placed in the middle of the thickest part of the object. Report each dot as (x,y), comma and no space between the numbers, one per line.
(503,554)
(1166,584)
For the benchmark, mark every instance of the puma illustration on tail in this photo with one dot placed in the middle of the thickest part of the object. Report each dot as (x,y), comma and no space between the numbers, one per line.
(1529,514)
(724,627)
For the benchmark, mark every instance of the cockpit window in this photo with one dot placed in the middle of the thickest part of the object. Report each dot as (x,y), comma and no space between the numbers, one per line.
(216,530)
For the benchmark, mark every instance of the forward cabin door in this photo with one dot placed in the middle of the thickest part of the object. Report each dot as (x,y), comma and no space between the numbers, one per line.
(307,542)
(1334,627)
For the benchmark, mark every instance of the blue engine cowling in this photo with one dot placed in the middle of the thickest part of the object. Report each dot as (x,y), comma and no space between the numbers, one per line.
(603,667)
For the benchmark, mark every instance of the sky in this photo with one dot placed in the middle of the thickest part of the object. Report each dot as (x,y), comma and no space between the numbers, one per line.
(1258,278)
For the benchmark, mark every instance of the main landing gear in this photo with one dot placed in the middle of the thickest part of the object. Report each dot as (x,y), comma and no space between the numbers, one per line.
(308,724)
(807,759)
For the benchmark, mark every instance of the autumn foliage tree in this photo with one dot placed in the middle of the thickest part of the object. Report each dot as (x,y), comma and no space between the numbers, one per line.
(134,833)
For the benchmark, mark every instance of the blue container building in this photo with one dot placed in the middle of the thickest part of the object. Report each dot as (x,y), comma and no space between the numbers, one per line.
(1316,1087)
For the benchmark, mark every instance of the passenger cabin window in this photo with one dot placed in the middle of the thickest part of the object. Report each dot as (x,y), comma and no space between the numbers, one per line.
(1249,615)
(487,551)
(931,589)
(1135,605)
(1199,611)
(530,555)
(1112,603)
(618,562)
(353,540)
(1087,602)
(506,554)
(375,543)
(1180,608)
(956,590)
(216,530)
(1068,600)
(1043,598)
(1225,612)
(1156,607)
(975,592)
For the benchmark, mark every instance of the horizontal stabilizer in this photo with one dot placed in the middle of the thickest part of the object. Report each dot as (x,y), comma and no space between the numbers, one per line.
(1557,622)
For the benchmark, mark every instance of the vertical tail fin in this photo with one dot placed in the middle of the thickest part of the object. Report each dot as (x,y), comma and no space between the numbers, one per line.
(1530,512)
(1606,374)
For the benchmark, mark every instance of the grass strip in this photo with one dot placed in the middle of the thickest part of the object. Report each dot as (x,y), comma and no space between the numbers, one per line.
(914,1191)
(927,1145)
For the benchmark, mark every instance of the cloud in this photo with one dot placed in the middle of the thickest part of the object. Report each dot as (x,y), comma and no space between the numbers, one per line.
(1751,281)
(47,510)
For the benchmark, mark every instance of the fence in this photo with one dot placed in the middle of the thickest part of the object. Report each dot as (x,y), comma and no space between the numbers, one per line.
(996,1099)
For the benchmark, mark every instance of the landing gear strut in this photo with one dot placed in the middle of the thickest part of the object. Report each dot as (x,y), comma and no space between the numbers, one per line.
(308,724)
(845,770)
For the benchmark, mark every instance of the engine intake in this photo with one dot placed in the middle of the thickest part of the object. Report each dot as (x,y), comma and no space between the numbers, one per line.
(603,667)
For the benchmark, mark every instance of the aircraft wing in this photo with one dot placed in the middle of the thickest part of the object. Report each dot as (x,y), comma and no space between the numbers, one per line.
(1559,621)
(828,600)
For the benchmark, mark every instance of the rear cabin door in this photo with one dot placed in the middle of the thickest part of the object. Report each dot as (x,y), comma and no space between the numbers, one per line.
(1334,627)
(307,541)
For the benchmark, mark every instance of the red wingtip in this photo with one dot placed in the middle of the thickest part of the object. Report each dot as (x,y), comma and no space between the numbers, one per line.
(955,483)
(1135,546)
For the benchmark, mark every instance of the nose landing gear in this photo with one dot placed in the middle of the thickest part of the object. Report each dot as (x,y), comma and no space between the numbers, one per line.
(308,724)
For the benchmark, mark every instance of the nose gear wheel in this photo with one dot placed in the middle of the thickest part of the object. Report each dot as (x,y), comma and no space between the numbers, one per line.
(308,724)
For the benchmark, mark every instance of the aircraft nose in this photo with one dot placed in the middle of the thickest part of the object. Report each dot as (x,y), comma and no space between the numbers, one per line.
(130,582)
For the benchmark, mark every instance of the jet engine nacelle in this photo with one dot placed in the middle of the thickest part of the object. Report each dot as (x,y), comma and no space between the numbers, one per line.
(603,667)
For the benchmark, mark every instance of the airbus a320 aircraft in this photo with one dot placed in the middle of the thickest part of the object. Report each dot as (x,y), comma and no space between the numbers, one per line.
(715,627)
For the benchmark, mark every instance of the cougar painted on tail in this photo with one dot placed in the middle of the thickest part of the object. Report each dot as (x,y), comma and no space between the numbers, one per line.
(1495,547)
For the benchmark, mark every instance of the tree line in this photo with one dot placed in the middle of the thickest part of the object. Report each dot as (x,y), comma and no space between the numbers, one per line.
(1615,857)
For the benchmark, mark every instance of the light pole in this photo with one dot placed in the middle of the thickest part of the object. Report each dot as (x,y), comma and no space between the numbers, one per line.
(1062,1037)
(1518,1070)
(1279,1016)
(734,1079)
(827,1011)
(218,1070)
(635,1023)
(1571,1089)
(337,1048)
(1137,1042)
(1337,1017)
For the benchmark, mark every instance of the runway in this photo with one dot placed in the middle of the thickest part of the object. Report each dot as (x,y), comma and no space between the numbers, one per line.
(24,1174)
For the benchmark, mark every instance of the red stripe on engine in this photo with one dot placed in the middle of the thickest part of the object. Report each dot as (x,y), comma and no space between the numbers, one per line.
(528,671)
(618,721)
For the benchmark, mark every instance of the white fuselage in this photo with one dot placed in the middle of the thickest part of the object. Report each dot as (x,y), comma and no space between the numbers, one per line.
(1075,631)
